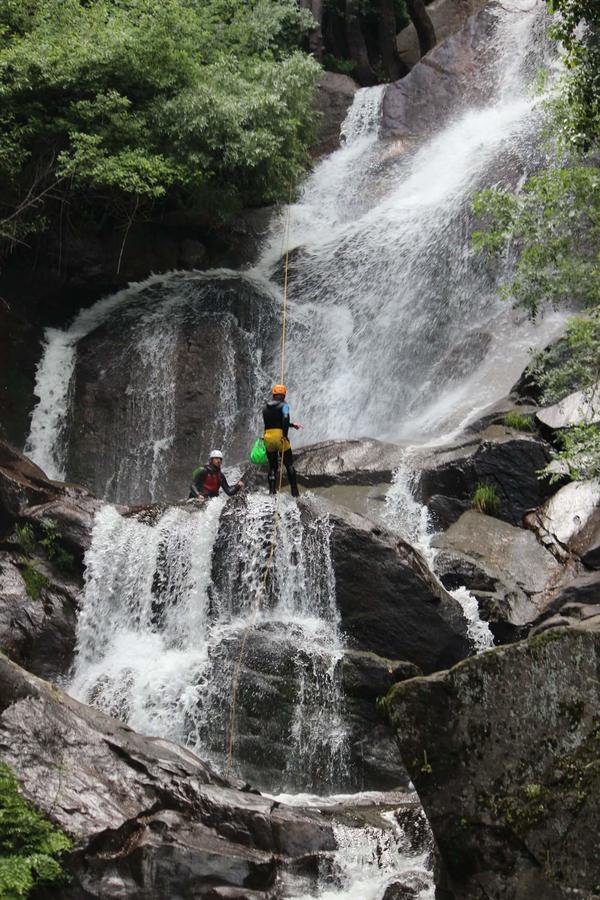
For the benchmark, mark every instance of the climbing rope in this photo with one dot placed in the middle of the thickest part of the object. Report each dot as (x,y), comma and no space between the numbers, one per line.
(260,592)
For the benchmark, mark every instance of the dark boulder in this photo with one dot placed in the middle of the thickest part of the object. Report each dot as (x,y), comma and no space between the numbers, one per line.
(149,819)
(507,461)
(503,751)
(22,483)
(137,435)
(38,614)
(389,601)
(366,678)
(334,96)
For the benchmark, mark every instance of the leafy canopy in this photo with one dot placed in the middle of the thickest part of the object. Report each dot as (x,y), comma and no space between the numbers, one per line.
(187,99)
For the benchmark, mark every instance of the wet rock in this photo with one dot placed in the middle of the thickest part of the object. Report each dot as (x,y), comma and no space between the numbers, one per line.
(509,780)
(364,461)
(148,818)
(38,615)
(442,84)
(21,484)
(575,409)
(211,330)
(447,17)
(569,522)
(501,553)
(388,600)
(410,887)
(334,96)
(365,678)
(499,457)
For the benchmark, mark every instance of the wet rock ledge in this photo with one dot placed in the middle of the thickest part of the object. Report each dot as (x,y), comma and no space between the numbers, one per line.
(148,818)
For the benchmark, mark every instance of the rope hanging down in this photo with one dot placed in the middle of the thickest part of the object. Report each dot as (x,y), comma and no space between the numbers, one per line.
(275,533)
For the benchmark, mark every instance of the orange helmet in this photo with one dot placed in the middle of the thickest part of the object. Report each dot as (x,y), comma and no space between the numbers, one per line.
(279,389)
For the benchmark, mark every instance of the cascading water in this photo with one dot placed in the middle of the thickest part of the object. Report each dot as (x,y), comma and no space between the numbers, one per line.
(399,332)
(152,377)
(164,614)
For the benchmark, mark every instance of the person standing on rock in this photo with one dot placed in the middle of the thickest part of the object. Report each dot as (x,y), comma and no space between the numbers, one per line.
(209,479)
(276,416)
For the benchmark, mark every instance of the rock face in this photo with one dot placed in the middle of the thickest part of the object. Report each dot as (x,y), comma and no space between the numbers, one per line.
(149,819)
(509,572)
(450,78)
(46,528)
(579,407)
(569,522)
(389,602)
(447,17)
(365,461)
(503,751)
(498,457)
(365,678)
(170,374)
(335,93)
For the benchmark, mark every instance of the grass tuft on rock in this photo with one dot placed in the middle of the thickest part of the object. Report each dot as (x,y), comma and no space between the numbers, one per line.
(34,581)
(485,499)
(518,421)
(31,848)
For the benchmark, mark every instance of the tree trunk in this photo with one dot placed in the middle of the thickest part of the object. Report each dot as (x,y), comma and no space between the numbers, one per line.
(315,38)
(423,25)
(357,46)
(393,65)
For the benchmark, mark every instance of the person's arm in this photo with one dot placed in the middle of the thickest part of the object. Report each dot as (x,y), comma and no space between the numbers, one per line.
(285,419)
(229,489)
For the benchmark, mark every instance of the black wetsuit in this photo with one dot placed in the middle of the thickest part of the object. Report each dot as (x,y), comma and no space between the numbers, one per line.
(276,416)
(207,480)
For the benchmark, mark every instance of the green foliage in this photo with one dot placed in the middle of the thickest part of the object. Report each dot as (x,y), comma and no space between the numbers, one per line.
(553,227)
(129,101)
(579,454)
(30,846)
(338,64)
(485,499)
(577,27)
(34,580)
(26,537)
(518,421)
(45,538)
(573,363)
(50,542)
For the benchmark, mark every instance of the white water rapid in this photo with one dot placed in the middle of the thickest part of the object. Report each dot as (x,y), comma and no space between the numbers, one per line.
(165,609)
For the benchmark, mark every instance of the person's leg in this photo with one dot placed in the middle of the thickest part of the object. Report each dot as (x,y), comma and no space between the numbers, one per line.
(273,457)
(288,461)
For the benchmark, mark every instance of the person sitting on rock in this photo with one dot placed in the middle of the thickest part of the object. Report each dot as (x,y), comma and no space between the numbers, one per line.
(209,479)
(276,416)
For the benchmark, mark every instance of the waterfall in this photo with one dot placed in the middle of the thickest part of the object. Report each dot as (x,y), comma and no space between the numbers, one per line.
(170,595)
(152,377)
(399,332)
(395,328)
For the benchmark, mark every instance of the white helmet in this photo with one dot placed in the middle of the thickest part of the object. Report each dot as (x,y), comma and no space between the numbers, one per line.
(215,454)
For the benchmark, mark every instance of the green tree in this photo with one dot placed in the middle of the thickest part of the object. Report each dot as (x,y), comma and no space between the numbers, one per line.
(114,104)
(551,228)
